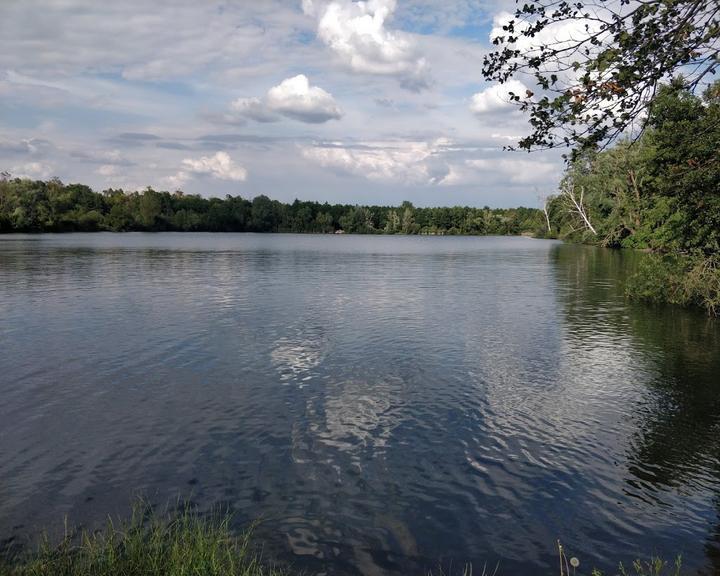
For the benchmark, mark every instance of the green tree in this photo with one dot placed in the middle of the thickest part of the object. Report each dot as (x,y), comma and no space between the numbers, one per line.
(685,133)
(408,217)
(262,216)
(324,222)
(392,224)
(149,209)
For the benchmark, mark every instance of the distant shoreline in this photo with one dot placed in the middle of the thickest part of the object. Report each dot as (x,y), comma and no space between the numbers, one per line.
(32,206)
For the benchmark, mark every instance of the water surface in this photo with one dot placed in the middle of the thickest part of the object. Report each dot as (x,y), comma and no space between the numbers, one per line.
(384,404)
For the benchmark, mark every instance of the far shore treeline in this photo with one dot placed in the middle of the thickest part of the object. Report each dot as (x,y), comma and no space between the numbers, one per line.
(659,193)
(38,206)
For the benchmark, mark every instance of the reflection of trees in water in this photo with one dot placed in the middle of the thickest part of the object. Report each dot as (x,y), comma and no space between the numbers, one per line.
(676,445)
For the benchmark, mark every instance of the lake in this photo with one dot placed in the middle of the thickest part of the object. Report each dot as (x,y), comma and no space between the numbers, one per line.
(383,404)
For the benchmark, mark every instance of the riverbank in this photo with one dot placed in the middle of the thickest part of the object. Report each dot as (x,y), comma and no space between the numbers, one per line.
(148,544)
(689,280)
(186,543)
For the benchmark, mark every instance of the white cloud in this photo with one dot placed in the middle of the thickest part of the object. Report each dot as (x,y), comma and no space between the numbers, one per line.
(32,170)
(138,132)
(357,33)
(220,166)
(559,36)
(440,162)
(177,180)
(503,171)
(107,170)
(293,98)
(402,162)
(496,97)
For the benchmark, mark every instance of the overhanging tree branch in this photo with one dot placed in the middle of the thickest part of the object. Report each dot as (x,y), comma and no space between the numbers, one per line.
(594,83)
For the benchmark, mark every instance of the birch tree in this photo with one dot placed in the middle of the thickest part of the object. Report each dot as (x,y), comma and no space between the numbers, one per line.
(575,203)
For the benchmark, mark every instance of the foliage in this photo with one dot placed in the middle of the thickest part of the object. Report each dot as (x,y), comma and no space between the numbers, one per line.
(678,279)
(37,206)
(149,545)
(660,193)
(597,63)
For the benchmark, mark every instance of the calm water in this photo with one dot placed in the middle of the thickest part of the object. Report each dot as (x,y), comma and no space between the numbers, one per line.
(383,403)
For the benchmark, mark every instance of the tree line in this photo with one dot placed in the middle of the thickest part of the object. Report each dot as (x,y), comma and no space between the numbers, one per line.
(51,206)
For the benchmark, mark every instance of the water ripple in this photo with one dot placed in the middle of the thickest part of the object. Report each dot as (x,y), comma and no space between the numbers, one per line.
(382,404)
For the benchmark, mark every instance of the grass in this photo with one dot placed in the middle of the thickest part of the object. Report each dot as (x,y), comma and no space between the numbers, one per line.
(148,544)
(653,567)
(186,543)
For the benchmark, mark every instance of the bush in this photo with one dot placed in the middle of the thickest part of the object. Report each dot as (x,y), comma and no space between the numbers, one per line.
(687,280)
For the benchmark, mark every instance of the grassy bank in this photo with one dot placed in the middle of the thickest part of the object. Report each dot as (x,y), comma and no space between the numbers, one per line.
(186,543)
(148,544)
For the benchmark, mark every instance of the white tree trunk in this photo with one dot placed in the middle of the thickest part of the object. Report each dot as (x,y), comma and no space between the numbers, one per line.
(577,205)
(547,216)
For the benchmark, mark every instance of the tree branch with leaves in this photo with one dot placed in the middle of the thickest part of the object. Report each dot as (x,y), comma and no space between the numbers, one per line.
(597,64)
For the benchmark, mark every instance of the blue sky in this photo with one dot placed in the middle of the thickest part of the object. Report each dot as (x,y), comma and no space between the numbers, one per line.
(330,100)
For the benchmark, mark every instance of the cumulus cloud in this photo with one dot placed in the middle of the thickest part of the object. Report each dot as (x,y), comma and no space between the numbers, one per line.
(220,166)
(402,162)
(496,97)
(293,98)
(357,33)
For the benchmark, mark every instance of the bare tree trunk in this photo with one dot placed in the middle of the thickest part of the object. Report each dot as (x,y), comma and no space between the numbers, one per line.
(544,202)
(577,204)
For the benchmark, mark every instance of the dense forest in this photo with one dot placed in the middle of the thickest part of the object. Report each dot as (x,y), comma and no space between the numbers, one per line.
(37,206)
(660,192)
